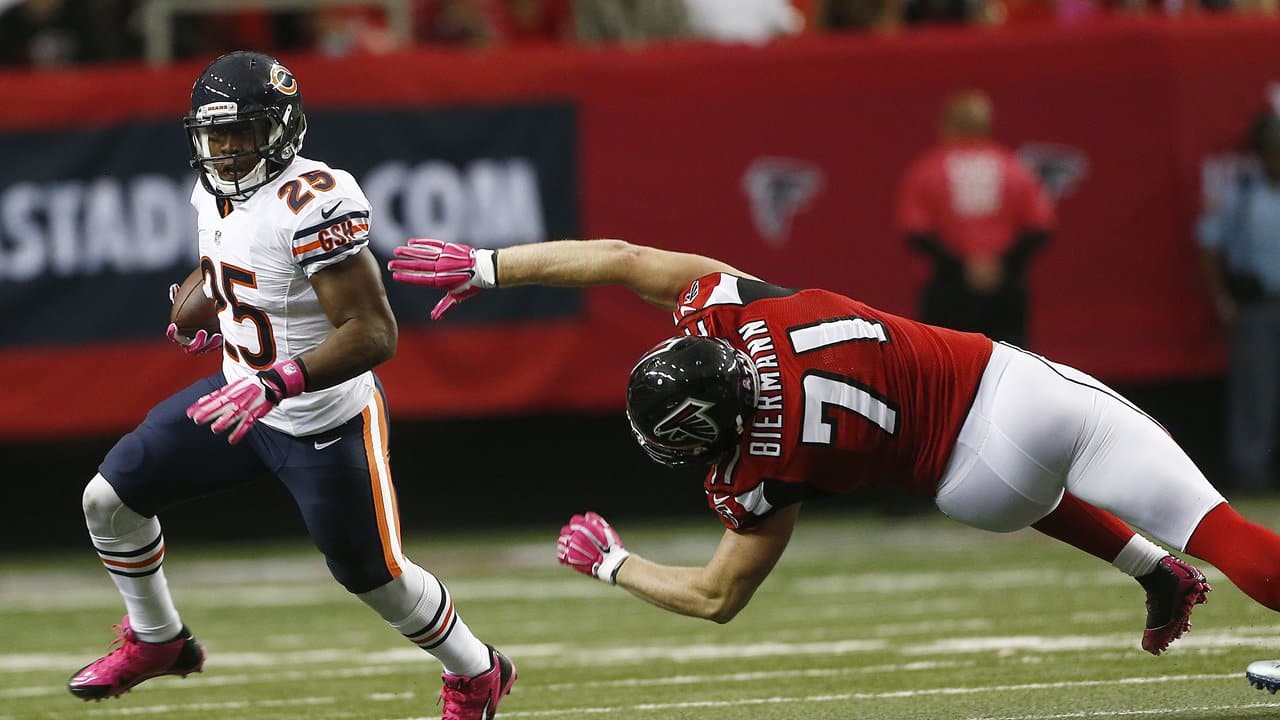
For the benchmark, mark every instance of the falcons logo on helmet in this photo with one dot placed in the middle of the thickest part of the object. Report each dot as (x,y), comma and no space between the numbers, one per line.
(689,422)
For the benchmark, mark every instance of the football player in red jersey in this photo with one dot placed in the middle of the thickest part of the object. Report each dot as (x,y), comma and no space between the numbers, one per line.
(789,395)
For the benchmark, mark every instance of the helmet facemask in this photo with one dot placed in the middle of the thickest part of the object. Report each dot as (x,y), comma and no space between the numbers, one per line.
(239,152)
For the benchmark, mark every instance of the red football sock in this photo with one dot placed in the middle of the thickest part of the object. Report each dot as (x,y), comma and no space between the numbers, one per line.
(1084,526)
(1247,553)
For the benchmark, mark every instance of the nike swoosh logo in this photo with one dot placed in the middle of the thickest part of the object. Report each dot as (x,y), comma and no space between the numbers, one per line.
(327,443)
(326,213)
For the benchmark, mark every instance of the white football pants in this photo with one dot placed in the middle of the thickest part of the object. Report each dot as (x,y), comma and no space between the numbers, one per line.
(1038,428)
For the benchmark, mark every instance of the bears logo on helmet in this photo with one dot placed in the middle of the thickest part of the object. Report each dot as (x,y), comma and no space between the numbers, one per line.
(283,80)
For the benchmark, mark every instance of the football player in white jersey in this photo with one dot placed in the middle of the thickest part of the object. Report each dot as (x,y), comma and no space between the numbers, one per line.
(303,319)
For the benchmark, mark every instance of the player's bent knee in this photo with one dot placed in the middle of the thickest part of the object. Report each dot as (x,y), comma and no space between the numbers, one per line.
(100,502)
(395,599)
(105,513)
(359,577)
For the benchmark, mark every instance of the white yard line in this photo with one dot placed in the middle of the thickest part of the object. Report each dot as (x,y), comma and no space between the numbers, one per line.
(559,655)
(209,589)
(189,707)
(752,676)
(923,581)
(628,710)
(1162,712)
(197,683)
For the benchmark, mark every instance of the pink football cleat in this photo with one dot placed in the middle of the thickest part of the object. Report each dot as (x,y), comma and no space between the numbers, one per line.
(1173,589)
(477,698)
(131,661)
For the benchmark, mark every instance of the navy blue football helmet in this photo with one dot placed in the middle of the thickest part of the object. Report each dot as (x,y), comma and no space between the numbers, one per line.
(246,123)
(690,398)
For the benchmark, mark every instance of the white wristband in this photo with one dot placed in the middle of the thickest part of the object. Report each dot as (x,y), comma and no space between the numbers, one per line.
(486,268)
(612,561)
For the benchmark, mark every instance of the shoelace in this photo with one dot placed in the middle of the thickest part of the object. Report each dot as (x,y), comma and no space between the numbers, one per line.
(122,651)
(455,699)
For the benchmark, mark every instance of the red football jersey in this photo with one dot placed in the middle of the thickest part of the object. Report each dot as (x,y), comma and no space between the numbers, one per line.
(849,396)
(976,195)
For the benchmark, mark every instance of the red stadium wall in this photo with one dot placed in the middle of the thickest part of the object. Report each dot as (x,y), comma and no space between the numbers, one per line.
(665,139)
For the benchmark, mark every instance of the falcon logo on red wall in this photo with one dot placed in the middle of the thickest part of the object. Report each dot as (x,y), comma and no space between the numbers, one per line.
(1059,167)
(778,189)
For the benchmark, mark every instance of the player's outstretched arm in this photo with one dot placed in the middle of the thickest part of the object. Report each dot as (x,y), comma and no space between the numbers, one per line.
(717,591)
(657,276)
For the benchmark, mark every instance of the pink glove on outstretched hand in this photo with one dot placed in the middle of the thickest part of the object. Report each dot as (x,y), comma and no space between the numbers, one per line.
(590,545)
(240,404)
(458,269)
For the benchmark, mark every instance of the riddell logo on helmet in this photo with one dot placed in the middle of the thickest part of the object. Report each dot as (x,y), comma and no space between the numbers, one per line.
(282,80)
(688,422)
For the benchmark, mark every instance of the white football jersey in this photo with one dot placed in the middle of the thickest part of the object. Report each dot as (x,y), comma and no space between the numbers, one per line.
(258,257)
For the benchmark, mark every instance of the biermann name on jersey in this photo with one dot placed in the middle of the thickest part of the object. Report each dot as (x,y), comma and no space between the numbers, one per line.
(765,432)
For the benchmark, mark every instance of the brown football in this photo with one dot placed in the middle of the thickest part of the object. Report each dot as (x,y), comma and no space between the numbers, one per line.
(191,310)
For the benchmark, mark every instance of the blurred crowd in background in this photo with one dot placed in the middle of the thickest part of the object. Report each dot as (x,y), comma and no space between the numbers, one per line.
(60,33)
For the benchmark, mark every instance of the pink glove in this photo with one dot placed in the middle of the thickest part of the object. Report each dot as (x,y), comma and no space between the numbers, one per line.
(202,343)
(590,545)
(243,402)
(458,269)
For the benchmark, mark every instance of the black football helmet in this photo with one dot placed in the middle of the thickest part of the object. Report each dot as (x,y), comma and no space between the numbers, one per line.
(246,123)
(689,398)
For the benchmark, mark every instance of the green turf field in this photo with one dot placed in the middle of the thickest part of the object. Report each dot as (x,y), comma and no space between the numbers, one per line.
(864,618)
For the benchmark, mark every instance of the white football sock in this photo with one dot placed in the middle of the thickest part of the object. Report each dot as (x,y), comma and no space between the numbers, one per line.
(420,607)
(1139,557)
(131,548)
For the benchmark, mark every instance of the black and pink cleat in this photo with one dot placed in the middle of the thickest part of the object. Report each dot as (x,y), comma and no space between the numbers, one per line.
(1173,589)
(477,698)
(132,661)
